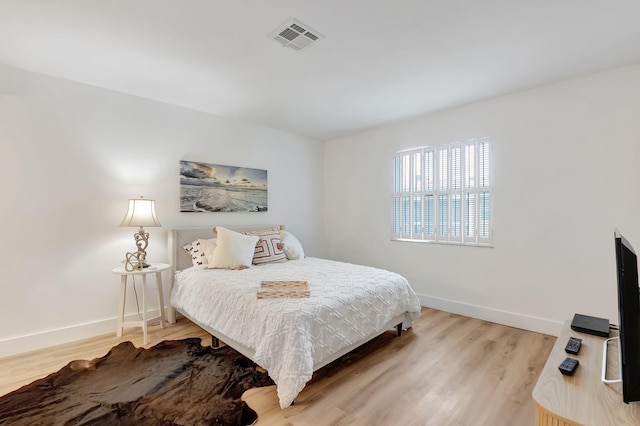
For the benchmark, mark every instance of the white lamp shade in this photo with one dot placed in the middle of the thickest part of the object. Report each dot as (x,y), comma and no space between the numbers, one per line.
(141,212)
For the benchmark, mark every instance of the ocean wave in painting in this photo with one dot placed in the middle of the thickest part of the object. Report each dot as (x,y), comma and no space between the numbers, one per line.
(211,199)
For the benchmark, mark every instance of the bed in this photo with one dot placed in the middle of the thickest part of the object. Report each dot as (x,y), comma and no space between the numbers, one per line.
(291,338)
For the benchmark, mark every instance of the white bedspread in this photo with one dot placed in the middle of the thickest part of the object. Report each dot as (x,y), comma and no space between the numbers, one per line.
(348,303)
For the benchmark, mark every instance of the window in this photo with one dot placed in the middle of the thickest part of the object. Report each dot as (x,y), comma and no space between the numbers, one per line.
(444,193)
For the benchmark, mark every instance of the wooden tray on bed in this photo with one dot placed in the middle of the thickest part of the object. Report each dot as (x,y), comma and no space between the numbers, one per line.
(283,289)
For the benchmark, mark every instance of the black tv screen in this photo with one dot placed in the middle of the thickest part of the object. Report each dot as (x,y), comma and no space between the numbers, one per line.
(629,314)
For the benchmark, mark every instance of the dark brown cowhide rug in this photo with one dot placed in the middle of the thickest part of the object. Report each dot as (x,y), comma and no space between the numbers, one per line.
(175,382)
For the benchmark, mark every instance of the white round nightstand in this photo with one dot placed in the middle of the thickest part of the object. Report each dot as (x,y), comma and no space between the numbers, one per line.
(154,268)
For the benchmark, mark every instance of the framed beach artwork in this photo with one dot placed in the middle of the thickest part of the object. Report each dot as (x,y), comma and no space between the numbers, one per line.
(217,188)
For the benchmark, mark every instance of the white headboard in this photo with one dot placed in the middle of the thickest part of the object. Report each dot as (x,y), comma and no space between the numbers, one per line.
(180,259)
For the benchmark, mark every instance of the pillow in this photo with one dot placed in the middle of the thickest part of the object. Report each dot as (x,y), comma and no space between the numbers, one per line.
(200,251)
(196,251)
(292,247)
(233,250)
(209,247)
(269,247)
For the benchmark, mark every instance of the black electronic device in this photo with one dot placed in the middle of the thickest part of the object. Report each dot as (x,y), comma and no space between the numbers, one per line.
(568,366)
(573,346)
(590,325)
(629,313)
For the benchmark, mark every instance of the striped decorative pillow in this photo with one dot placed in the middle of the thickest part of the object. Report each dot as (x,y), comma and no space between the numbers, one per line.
(269,248)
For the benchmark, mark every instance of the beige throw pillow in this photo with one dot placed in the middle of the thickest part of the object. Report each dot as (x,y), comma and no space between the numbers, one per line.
(233,250)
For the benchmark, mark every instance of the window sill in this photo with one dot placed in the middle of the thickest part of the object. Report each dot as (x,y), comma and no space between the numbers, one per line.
(446,243)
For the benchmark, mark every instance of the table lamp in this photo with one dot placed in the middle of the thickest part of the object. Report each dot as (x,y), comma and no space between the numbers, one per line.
(141,212)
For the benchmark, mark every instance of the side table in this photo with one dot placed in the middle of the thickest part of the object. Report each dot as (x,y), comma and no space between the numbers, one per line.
(155,268)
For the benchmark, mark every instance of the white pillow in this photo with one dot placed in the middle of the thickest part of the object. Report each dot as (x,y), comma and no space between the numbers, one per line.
(209,247)
(201,250)
(292,247)
(196,250)
(233,250)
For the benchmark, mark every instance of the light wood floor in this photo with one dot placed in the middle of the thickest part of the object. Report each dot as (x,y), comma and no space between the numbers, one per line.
(447,370)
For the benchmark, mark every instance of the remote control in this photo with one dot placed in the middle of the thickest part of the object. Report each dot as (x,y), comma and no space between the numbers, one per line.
(568,366)
(573,346)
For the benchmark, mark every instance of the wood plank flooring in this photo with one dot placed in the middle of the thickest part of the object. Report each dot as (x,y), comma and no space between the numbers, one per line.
(446,370)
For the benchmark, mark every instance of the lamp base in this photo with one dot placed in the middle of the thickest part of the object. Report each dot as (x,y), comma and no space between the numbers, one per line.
(136,260)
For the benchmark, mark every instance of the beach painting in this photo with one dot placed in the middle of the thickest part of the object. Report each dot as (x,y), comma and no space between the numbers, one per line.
(216,188)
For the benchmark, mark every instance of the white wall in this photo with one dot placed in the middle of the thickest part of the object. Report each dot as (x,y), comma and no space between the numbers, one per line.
(73,154)
(567,171)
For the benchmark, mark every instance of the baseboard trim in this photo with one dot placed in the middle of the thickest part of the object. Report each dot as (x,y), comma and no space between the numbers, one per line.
(512,319)
(32,342)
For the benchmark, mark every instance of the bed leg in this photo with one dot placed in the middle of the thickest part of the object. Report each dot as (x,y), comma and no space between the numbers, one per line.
(215,342)
(399,330)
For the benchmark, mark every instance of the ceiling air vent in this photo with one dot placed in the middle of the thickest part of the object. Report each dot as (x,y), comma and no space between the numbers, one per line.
(296,35)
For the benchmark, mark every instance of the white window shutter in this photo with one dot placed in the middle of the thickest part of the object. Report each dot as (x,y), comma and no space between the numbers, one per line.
(444,194)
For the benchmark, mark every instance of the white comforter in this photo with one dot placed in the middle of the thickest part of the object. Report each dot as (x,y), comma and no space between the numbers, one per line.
(348,304)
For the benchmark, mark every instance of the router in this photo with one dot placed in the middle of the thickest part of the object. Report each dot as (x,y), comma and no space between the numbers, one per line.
(590,325)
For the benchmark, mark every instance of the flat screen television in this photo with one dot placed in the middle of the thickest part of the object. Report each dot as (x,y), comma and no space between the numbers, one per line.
(629,315)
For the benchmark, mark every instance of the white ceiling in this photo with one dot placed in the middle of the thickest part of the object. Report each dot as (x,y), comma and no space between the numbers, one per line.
(381,61)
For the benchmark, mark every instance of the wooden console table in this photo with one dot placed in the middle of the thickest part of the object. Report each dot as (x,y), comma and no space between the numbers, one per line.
(582,399)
